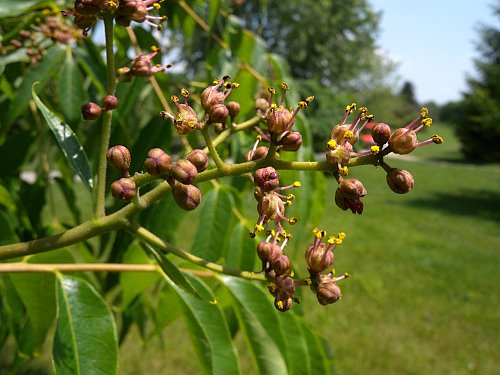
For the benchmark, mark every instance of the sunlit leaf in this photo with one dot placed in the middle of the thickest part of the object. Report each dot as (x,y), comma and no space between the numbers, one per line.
(68,142)
(85,340)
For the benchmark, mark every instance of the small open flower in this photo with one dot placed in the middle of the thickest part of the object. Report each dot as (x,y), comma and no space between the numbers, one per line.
(319,256)
(138,11)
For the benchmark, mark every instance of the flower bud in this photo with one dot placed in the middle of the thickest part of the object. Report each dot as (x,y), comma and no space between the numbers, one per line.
(258,153)
(266,178)
(142,66)
(381,133)
(339,132)
(403,141)
(279,119)
(282,287)
(91,111)
(234,109)
(88,7)
(210,97)
(327,293)
(109,102)
(119,157)
(261,106)
(400,181)
(281,265)
(199,158)
(283,305)
(291,141)
(270,205)
(318,257)
(158,162)
(352,188)
(84,22)
(268,252)
(124,189)
(187,197)
(183,171)
(218,113)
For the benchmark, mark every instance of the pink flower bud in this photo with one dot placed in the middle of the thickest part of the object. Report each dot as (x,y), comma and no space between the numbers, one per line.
(187,197)
(281,265)
(381,133)
(124,189)
(211,96)
(183,171)
(318,257)
(234,109)
(291,141)
(109,102)
(119,157)
(91,111)
(327,293)
(199,158)
(279,119)
(218,113)
(268,252)
(158,162)
(403,141)
(266,178)
(259,153)
(400,181)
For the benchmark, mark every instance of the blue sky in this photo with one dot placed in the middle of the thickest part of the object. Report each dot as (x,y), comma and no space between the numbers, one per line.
(434,42)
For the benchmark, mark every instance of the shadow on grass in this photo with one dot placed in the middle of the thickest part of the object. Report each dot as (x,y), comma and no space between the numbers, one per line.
(480,204)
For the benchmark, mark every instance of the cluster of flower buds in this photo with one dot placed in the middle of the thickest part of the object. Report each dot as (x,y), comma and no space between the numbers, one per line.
(142,66)
(270,202)
(87,12)
(401,141)
(319,257)
(180,174)
(92,111)
(213,101)
(48,25)
(280,120)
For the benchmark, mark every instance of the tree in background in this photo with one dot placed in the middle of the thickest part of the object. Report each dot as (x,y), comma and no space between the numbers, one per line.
(478,128)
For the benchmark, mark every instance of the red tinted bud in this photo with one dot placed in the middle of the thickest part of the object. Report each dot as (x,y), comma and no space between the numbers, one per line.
(183,171)
(187,197)
(291,141)
(268,252)
(283,305)
(339,131)
(327,293)
(352,188)
(109,102)
(210,97)
(381,133)
(158,162)
(127,7)
(123,189)
(403,141)
(199,158)
(266,178)
(283,287)
(281,265)
(258,153)
(218,113)
(142,66)
(91,111)
(279,119)
(119,157)
(318,257)
(234,109)
(88,7)
(140,14)
(400,181)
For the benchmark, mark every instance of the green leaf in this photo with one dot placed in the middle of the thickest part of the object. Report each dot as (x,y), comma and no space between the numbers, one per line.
(70,89)
(171,270)
(320,352)
(68,142)
(14,151)
(241,253)
(215,219)
(260,324)
(134,283)
(85,340)
(209,331)
(43,72)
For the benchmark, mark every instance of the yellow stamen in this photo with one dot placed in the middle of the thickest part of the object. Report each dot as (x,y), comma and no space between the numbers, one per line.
(375,149)
(348,134)
(290,197)
(258,228)
(292,221)
(350,108)
(344,170)
(174,98)
(272,90)
(331,240)
(297,184)
(424,112)
(342,235)
(284,86)
(427,121)
(437,139)
(332,145)
(184,92)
